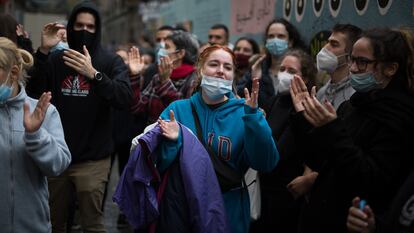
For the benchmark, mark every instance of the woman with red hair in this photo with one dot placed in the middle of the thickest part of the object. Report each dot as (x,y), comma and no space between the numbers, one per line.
(233,131)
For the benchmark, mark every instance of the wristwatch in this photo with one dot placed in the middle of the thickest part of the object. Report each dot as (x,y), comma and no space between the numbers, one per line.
(98,76)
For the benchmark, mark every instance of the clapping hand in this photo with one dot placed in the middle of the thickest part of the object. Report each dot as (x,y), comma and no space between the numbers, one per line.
(51,36)
(33,121)
(79,62)
(169,129)
(135,62)
(165,69)
(316,113)
(257,69)
(21,32)
(299,92)
(251,98)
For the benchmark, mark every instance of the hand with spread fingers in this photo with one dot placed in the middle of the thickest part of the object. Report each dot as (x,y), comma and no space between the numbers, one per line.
(251,98)
(316,113)
(165,69)
(135,62)
(360,220)
(50,36)
(257,68)
(79,62)
(169,129)
(33,121)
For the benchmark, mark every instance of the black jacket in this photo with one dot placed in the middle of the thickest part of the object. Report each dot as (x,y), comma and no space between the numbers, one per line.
(365,152)
(399,219)
(280,211)
(84,105)
(266,89)
(290,164)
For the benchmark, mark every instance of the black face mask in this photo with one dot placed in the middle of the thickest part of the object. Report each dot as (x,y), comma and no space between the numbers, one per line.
(82,38)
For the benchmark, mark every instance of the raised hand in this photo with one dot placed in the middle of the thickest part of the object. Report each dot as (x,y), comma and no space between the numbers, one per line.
(79,62)
(165,69)
(251,98)
(21,32)
(299,92)
(33,121)
(169,129)
(362,221)
(257,68)
(135,62)
(50,36)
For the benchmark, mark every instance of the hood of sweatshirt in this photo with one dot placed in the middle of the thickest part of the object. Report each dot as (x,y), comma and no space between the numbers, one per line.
(84,7)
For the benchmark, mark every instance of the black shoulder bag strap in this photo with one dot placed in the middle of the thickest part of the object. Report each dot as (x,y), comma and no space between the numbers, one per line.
(227,176)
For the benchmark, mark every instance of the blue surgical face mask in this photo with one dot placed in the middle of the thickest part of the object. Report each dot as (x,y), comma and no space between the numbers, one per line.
(276,46)
(158,47)
(364,82)
(215,88)
(5,91)
(161,53)
(59,46)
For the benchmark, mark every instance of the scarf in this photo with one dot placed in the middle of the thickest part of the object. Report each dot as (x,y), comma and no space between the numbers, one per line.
(182,71)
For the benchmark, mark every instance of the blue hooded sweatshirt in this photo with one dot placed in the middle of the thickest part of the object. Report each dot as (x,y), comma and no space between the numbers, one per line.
(237,134)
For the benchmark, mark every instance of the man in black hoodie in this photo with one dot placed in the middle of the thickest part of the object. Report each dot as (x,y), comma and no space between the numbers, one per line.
(86,82)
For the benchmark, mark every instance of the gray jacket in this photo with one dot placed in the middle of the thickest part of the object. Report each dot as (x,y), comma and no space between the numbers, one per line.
(336,93)
(25,161)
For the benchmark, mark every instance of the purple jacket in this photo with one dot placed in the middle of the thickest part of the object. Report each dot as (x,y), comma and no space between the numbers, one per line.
(137,198)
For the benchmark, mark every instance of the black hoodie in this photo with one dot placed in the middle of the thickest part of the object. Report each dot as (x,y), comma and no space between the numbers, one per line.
(87,7)
(84,105)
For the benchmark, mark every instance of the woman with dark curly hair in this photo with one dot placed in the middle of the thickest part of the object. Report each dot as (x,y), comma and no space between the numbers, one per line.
(175,79)
(280,36)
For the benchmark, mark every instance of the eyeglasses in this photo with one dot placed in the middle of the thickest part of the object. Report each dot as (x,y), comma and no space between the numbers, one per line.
(361,62)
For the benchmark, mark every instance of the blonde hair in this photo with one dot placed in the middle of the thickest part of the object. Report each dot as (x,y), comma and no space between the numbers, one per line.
(10,55)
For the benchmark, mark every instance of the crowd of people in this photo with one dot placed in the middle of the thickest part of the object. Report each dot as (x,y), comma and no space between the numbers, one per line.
(187,119)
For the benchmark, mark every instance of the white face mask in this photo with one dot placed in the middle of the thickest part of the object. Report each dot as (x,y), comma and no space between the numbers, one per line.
(327,61)
(285,79)
(215,88)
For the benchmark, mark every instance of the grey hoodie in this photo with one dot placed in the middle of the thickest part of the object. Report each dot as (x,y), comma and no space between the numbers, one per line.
(25,161)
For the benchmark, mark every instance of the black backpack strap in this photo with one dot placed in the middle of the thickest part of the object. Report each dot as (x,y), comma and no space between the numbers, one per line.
(227,176)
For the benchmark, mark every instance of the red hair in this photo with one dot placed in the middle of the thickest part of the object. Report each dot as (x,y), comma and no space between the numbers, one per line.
(209,50)
(202,58)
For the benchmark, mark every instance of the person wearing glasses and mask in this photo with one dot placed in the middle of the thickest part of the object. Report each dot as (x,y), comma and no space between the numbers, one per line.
(365,148)
(333,59)
(175,78)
